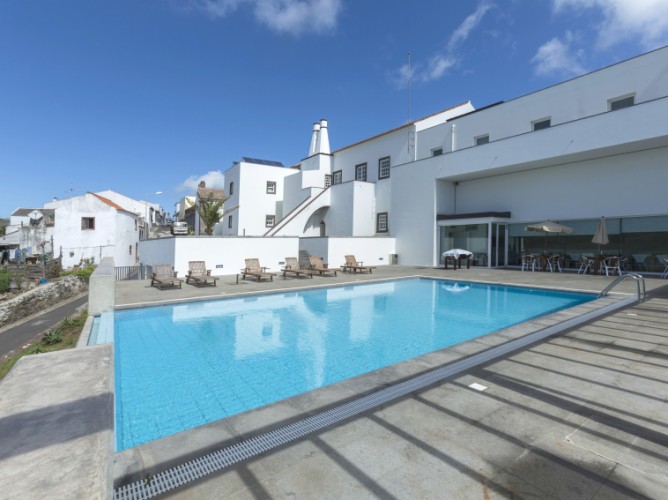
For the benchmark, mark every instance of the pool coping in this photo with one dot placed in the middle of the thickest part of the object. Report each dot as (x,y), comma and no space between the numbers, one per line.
(149,459)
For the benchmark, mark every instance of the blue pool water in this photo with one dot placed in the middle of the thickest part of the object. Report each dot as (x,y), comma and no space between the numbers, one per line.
(181,366)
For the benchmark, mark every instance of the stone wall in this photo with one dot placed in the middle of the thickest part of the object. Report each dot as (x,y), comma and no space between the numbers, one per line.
(40,298)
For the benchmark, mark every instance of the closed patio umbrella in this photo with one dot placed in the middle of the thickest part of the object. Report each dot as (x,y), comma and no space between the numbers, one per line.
(601,235)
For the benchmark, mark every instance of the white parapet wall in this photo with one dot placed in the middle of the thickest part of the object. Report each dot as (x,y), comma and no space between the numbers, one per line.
(373,251)
(102,288)
(223,255)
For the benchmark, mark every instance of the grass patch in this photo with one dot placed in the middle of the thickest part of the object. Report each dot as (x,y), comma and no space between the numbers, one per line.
(63,336)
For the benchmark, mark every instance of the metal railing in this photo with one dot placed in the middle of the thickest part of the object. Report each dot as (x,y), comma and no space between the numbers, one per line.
(140,272)
(640,282)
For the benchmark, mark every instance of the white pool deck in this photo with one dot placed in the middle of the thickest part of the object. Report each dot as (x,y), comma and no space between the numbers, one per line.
(583,414)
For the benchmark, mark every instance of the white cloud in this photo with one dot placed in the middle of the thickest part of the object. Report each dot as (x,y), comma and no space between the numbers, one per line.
(213,179)
(558,57)
(439,63)
(294,17)
(645,21)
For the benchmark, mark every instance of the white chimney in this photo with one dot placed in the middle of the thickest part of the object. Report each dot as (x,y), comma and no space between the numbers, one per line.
(314,139)
(323,138)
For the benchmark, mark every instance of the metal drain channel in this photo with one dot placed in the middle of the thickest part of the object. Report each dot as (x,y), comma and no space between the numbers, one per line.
(218,460)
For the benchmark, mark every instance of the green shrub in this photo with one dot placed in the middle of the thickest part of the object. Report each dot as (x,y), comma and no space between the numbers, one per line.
(5,280)
(53,337)
(82,273)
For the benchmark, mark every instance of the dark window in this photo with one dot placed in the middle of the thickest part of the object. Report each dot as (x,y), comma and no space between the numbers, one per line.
(328,180)
(271,187)
(483,139)
(88,223)
(381,222)
(130,248)
(542,124)
(269,220)
(360,172)
(337,177)
(231,188)
(384,168)
(229,222)
(437,152)
(620,103)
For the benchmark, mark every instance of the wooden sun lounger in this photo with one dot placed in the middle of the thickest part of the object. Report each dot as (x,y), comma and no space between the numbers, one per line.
(254,269)
(353,266)
(199,275)
(321,268)
(164,277)
(292,266)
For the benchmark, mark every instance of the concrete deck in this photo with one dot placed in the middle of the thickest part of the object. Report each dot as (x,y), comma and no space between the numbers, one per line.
(581,415)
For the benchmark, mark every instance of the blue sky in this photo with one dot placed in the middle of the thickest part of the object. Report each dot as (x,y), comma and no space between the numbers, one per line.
(141,96)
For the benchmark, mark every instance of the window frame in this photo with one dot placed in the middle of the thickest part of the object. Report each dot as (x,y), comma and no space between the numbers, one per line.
(380,216)
(381,168)
(622,102)
(481,140)
(361,167)
(541,124)
(437,151)
(337,177)
(268,218)
(88,223)
(271,185)
(328,180)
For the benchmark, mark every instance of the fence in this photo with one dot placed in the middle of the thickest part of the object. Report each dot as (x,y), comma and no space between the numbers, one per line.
(140,272)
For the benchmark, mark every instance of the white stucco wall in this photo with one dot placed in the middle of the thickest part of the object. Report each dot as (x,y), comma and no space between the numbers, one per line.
(223,255)
(372,251)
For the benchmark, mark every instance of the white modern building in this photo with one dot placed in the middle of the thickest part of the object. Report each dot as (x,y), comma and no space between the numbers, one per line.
(91,227)
(593,146)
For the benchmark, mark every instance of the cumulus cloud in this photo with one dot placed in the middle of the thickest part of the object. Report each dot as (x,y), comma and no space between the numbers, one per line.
(439,63)
(644,21)
(558,56)
(294,17)
(213,179)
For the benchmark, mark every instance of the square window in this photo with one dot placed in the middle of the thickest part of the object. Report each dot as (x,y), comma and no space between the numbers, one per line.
(381,222)
(482,139)
(88,223)
(269,220)
(384,168)
(541,124)
(437,152)
(271,187)
(337,177)
(328,180)
(360,172)
(621,102)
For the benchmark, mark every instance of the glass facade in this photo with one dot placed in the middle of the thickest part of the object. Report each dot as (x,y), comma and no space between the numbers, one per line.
(639,239)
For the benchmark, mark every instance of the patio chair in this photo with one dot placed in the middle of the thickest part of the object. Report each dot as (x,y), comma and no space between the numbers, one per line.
(253,268)
(554,263)
(611,266)
(164,276)
(292,266)
(586,265)
(529,262)
(663,259)
(199,275)
(318,266)
(353,266)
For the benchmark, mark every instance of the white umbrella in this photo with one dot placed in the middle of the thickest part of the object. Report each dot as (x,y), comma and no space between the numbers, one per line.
(601,235)
(549,226)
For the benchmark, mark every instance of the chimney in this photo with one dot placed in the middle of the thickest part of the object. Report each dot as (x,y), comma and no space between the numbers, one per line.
(323,139)
(314,139)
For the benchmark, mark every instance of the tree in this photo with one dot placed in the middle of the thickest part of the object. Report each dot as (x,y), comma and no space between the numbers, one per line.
(211,212)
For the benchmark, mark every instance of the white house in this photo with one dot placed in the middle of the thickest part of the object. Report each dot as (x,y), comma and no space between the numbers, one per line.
(150,214)
(91,227)
(592,146)
(29,229)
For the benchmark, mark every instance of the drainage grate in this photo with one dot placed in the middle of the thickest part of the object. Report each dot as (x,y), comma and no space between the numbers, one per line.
(244,450)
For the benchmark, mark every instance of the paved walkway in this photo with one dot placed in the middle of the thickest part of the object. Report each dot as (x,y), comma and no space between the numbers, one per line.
(581,415)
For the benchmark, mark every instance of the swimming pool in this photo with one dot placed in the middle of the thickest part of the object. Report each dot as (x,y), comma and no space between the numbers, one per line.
(180,366)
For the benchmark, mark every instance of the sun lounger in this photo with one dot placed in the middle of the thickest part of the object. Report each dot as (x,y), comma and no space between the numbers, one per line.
(317,266)
(199,275)
(254,269)
(164,277)
(292,267)
(353,266)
